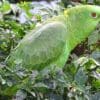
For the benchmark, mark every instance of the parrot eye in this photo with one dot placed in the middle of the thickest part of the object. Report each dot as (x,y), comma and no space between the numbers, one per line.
(94,15)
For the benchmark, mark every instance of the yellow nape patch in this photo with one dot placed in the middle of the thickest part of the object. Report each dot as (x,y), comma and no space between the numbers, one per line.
(65,12)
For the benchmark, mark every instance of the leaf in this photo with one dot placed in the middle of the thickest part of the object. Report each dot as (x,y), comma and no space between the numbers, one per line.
(5,7)
(20,95)
(93,38)
(96,55)
(81,78)
(96,84)
(96,96)
(70,71)
(53,96)
(2,81)
(40,85)
(81,61)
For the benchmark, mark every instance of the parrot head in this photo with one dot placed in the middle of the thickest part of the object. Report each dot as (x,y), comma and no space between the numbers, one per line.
(84,19)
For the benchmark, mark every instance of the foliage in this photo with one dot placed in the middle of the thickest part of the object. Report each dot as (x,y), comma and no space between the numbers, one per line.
(78,80)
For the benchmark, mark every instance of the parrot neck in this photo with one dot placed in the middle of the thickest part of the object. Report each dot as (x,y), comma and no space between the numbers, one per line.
(76,32)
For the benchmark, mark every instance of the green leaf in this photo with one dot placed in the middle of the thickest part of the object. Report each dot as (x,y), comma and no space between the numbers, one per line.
(40,85)
(93,38)
(5,7)
(96,96)
(81,78)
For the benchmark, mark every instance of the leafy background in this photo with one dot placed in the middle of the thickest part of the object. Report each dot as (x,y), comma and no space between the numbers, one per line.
(80,77)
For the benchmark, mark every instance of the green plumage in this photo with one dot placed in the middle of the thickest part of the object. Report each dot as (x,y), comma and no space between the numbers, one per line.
(52,42)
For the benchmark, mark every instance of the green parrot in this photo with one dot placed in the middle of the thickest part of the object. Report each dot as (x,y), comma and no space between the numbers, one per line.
(52,42)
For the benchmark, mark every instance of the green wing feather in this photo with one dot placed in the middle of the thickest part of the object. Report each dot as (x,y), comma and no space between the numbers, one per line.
(42,47)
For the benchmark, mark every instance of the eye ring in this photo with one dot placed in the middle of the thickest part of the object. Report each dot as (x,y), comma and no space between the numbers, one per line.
(93,15)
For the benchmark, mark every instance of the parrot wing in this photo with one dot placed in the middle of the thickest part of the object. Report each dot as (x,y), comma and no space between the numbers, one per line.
(41,48)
